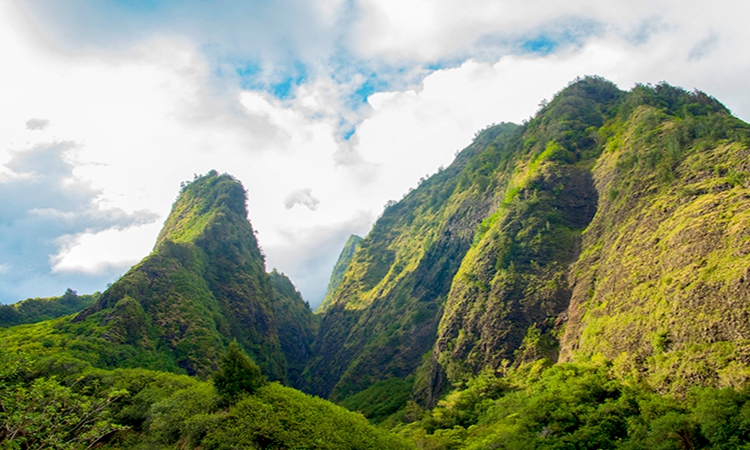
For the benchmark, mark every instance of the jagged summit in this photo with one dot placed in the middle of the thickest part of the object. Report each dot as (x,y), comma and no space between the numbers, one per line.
(200,202)
(611,233)
(204,284)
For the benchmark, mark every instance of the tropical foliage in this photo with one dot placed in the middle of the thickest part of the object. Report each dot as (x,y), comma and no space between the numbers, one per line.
(70,405)
(34,310)
(611,224)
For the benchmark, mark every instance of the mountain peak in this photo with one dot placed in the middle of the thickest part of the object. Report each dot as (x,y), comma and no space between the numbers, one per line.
(204,284)
(205,198)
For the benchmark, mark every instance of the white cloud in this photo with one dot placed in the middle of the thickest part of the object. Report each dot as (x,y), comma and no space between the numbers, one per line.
(37,124)
(138,118)
(302,197)
(98,253)
(138,121)
(433,30)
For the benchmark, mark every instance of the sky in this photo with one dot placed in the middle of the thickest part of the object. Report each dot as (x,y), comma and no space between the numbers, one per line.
(324,109)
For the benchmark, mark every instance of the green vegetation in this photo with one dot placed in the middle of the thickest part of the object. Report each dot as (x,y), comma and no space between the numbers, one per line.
(48,404)
(381,400)
(659,286)
(512,283)
(295,324)
(34,310)
(578,406)
(204,285)
(237,375)
(611,224)
(384,314)
(579,281)
(280,418)
(346,255)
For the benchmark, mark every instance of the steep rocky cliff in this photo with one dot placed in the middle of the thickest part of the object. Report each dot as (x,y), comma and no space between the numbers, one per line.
(384,315)
(613,224)
(661,284)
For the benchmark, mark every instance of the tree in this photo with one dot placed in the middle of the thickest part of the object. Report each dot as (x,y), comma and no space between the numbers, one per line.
(237,374)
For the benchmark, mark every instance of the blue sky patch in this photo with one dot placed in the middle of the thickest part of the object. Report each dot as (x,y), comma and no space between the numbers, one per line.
(542,45)
(372,85)
(296,76)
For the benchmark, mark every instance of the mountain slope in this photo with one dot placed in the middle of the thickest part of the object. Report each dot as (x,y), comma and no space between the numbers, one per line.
(296,325)
(203,285)
(662,285)
(384,314)
(345,257)
(612,224)
(514,279)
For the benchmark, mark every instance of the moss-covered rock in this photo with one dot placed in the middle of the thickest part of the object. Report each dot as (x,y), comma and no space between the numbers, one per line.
(612,223)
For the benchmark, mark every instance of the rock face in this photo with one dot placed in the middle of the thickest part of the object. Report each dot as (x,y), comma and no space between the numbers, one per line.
(613,224)
(203,285)
(295,324)
(661,285)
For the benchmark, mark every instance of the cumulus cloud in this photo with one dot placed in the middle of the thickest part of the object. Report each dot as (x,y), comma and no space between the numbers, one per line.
(36,124)
(131,125)
(43,202)
(302,197)
(266,39)
(82,253)
(355,101)
(438,30)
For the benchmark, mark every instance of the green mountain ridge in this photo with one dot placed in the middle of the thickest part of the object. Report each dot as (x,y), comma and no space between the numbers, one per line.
(611,225)
(33,310)
(385,312)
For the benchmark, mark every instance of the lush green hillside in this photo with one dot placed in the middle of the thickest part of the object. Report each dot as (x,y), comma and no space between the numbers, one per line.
(611,224)
(384,315)
(661,284)
(578,281)
(346,255)
(570,406)
(63,403)
(296,326)
(202,286)
(513,281)
(34,310)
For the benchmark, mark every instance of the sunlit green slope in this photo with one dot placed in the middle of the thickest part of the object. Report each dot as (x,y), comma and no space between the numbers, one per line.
(62,403)
(612,223)
(384,315)
(345,257)
(661,285)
